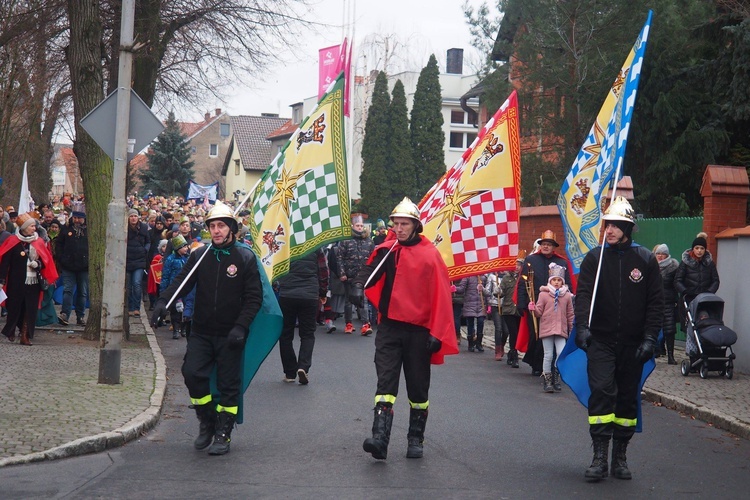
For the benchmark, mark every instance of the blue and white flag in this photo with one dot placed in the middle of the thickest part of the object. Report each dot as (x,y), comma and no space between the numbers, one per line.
(199,192)
(600,158)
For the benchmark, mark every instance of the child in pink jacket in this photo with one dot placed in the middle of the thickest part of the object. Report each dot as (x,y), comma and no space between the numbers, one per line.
(554,307)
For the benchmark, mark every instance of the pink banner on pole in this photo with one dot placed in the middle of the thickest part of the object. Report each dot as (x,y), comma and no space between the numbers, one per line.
(347,67)
(329,66)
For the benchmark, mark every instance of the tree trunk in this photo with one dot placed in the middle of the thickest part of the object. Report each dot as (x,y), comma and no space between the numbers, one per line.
(84,60)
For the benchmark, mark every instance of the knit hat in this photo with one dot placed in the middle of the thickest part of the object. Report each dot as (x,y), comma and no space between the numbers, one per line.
(178,242)
(556,271)
(25,220)
(700,240)
(133,211)
(662,249)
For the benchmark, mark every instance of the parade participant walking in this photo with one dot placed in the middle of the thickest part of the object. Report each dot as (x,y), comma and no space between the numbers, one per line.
(301,293)
(492,293)
(668,267)
(228,296)
(351,257)
(24,262)
(537,264)
(621,337)
(509,311)
(408,282)
(554,309)
(173,264)
(138,243)
(474,312)
(72,252)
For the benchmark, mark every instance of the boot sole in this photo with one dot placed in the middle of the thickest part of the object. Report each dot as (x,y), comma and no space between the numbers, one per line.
(373,450)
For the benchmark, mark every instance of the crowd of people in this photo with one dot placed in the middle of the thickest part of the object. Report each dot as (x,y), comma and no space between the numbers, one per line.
(533,308)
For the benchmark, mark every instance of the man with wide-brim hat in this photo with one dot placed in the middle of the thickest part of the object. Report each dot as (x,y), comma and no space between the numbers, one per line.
(534,275)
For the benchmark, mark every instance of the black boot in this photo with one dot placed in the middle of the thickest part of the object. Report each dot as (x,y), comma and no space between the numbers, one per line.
(670,351)
(478,343)
(377,445)
(598,468)
(415,436)
(471,343)
(223,435)
(177,330)
(207,418)
(556,384)
(620,460)
(514,363)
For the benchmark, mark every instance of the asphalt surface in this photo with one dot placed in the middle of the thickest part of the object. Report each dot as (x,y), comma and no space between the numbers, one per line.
(52,407)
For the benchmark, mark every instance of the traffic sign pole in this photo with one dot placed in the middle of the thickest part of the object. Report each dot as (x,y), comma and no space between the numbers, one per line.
(116,235)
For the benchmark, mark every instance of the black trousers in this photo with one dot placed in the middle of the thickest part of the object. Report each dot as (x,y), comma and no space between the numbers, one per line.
(512,321)
(400,344)
(203,352)
(306,311)
(614,376)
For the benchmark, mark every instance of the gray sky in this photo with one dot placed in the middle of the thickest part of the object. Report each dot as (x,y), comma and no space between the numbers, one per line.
(418,28)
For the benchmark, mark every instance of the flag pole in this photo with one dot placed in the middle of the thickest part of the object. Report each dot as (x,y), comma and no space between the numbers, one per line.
(601,256)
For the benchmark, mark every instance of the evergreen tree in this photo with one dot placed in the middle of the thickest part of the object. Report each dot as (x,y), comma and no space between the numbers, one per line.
(427,137)
(400,167)
(374,182)
(169,164)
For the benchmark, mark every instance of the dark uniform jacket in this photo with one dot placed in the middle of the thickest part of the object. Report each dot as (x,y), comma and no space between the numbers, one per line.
(629,301)
(228,288)
(72,248)
(696,276)
(353,253)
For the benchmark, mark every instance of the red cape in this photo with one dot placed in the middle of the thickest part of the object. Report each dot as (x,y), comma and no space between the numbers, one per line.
(421,278)
(49,271)
(522,340)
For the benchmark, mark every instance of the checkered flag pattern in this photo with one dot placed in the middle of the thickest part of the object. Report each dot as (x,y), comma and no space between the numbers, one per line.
(486,233)
(268,188)
(316,206)
(437,198)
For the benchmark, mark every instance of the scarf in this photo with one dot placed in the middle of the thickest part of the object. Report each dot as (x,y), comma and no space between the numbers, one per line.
(32,262)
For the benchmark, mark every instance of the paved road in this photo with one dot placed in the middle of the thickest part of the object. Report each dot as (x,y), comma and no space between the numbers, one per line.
(492,433)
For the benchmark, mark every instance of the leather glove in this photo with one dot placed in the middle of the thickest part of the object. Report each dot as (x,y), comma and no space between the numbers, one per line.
(160,312)
(646,350)
(357,295)
(236,337)
(583,338)
(433,344)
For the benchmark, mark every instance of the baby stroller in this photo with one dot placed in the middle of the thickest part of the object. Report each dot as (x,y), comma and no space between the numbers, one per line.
(707,338)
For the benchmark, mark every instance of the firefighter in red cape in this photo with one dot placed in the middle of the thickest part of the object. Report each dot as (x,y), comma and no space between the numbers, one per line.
(407,280)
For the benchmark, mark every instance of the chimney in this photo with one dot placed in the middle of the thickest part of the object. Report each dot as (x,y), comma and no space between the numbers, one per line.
(218,111)
(455,62)
(207,116)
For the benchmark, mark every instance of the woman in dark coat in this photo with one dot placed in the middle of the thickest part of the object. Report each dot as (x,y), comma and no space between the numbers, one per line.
(139,242)
(24,257)
(696,274)
(668,267)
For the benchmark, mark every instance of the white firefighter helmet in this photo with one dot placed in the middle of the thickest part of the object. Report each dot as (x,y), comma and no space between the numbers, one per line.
(407,208)
(621,210)
(224,212)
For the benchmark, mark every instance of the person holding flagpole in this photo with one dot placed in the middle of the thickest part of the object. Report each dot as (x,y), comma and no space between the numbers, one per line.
(618,312)
(415,329)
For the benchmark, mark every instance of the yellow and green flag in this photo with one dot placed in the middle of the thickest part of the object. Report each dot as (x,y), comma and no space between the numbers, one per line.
(302,201)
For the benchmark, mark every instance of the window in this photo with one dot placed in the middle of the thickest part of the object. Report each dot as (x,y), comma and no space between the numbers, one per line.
(213,150)
(461,140)
(224,130)
(236,167)
(458,117)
